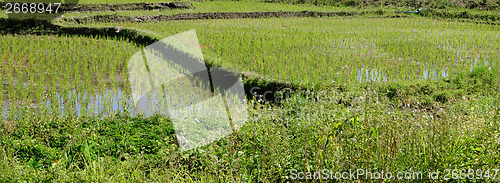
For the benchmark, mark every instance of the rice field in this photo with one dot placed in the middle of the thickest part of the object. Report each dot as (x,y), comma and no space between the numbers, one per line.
(46,72)
(342,50)
(305,51)
(412,94)
(101,77)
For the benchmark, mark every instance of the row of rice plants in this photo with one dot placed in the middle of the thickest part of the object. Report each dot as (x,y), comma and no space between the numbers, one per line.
(60,75)
(341,50)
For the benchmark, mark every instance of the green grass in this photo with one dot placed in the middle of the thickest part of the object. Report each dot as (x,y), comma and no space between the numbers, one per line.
(340,50)
(397,126)
(411,122)
(306,133)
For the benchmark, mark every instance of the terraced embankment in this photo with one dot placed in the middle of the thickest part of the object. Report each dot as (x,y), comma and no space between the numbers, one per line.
(461,16)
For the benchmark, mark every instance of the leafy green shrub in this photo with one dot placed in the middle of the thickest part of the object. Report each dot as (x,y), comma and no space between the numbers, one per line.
(33,153)
(428,101)
(442,96)
(392,90)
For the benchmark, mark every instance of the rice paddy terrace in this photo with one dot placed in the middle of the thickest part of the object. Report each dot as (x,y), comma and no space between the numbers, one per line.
(349,81)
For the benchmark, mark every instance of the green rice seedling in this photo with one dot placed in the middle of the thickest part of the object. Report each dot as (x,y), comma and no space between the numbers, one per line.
(52,68)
